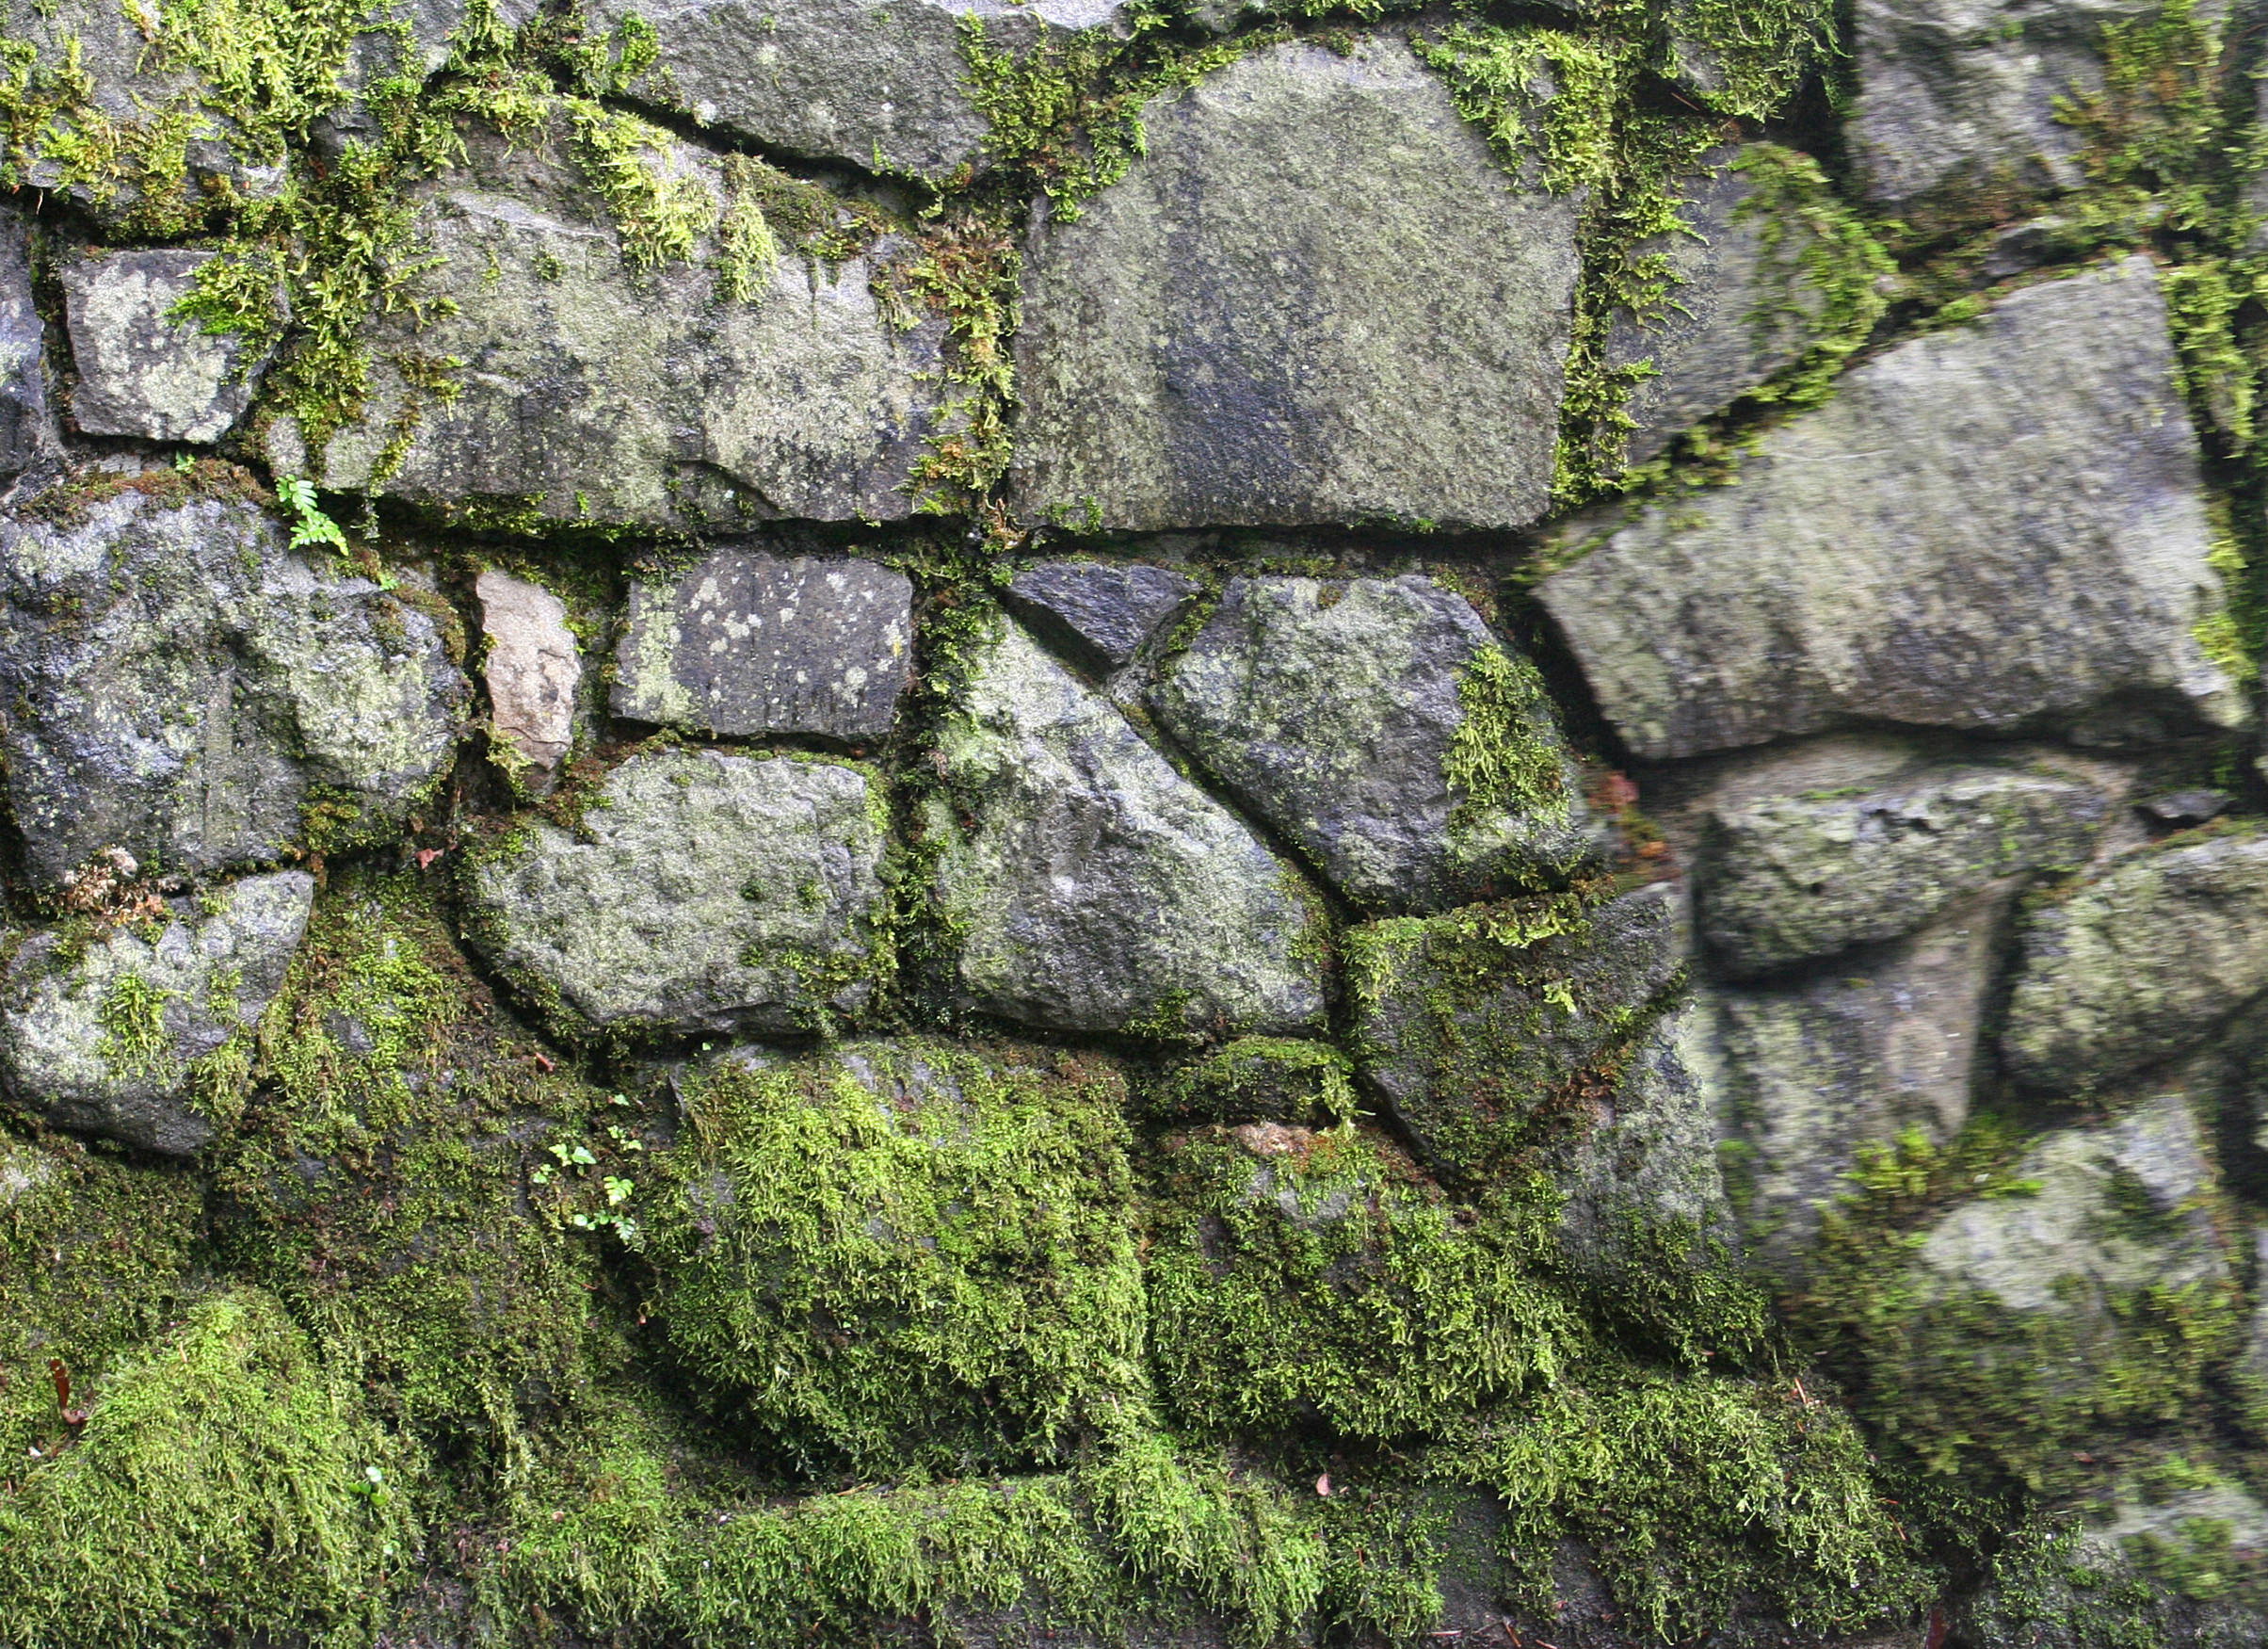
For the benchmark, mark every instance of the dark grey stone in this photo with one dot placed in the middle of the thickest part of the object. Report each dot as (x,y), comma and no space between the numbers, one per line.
(140,372)
(1987,528)
(26,428)
(746,644)
(2183,808)
(180,683)
(117,1037)
(1316,297)
(1097,612)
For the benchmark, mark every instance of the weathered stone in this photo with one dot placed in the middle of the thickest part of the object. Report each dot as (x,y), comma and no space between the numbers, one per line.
(875,83)
(532,670)
(1813,1069)
(1986,529)
(27,431)
(2182,809)
(1095,889)
(2140,964)
(746,644)
(1353,718)
(118,1037)
(1742,305)
(139,371)
(1316,297)
(595,391)
(1809,874)
(1962,94)
(1097,613)
(703,893)
(1468,1022)
(181,685)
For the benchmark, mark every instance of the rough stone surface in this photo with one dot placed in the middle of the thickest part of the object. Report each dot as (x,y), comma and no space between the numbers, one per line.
(532,668)
(703,893)
(1806,875)
(656,399)
(1097,613)
(182,686)
(26,430)
(746,643)
(1316,298)
(140,372)
(107,1040)
(1466,1029)
(1742,308)
(873,82)
(2140,965)
(1985,528)
(1332,712)
(1095,889)
(1814,1068)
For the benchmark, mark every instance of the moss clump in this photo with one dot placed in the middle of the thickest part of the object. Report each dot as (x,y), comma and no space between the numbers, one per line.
(224,1483)
(1810,241)
(1298,1276)
(1496,760)
(1259,1078)
(1751,56)
(906,1257)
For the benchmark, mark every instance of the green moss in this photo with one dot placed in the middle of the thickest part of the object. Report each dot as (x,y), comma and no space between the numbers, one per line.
(1296,1276)
(904,1257)
(662,214)
(1496,762)
(963,271)
(1810,241)
(2153,130)
(1259,1078)
(135,1042)
(224,1483)
(1761,51)
(2042,1587)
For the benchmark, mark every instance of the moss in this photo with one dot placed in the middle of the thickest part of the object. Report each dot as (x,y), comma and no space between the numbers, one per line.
(1495,761)
(904,1257)
(1760,51)
(135,1042)
(963,271)
(2042,1587)
(2153,130)
(1810,241)
(1296,1276)
(224,1483)
(662,214)
(1259,1078)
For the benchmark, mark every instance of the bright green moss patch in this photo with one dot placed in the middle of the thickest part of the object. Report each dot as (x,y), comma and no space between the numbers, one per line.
(1496,761)
(224,1483)
(1259,1078)
(1750,56)
(1810,242)
(906,1257)
(1296,1277)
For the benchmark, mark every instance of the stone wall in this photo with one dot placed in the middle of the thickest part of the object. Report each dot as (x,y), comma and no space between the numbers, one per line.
(1181,822)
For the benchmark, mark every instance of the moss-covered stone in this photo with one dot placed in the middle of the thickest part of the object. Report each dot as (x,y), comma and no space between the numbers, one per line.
(1258,1079)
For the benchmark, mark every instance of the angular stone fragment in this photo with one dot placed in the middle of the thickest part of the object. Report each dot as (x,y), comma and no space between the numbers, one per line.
(594,391)
(117,1037)
(1985,530)
(1097,612)
(703,893)
(881,84)
(747,644)
(181,685)
(140,372)
(2141,964)
(1806,875)
(532,670)
(1468,1022)
(1382,728)
(1815,1068)
(1093,888)
(26,430)
(1316,297)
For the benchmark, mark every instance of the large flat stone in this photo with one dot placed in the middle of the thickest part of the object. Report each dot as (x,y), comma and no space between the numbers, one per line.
(1991,530)
(591,391)
(140,372)
(746,644)
(1316,297)
(1338,713)
(703,893)
(181,685)
(1095,889)
(881,84)
(1097,613)
(27,428)
(115,1037)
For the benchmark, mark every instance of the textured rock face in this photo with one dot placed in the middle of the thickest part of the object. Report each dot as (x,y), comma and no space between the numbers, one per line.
(703,893)
(1987,528)
(1340,713)
(1230,335)
(139,371)
(1095,612)
(2140,965)
(182,686)
(746,643)
(655,397)
(1097,890)
(532,670)
(25,431)
(866,82)
(121,1039)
